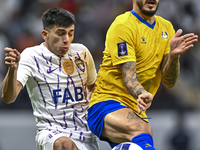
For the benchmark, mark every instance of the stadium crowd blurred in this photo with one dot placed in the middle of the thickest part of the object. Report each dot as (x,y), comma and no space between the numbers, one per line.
(21,26)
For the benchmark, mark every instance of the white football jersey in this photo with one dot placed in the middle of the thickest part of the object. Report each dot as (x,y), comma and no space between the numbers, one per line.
(57,88)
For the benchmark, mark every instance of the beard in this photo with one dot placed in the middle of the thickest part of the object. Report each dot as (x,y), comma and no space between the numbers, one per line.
(148,13)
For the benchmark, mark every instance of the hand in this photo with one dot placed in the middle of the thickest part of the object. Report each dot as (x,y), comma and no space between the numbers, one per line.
(144,101)
(12,57)
(180,44)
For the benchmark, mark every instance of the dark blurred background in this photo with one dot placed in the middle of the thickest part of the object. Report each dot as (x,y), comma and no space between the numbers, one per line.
(21,26)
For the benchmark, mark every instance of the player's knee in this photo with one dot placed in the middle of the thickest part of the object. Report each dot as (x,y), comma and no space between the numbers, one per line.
(69,146)
(64,144)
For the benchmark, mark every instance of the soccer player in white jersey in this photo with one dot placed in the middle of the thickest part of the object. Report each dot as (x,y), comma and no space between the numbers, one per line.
(59,76)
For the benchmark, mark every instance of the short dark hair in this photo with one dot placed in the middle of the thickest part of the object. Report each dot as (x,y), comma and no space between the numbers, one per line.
(57,16)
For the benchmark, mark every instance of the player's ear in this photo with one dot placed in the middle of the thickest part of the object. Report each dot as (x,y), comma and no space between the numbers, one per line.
(45,34)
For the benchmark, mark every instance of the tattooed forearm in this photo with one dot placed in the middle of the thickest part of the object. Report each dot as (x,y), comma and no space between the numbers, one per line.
(170,71)
(130,79)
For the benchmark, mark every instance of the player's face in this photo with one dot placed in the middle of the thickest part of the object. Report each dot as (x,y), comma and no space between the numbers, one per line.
(58,39)
(147,7)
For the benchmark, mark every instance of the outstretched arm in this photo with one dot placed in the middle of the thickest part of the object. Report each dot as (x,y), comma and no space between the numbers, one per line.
(143,97)
(170,65)
(10,86)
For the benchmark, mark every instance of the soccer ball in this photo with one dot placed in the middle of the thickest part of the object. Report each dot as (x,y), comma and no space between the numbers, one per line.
(127,146)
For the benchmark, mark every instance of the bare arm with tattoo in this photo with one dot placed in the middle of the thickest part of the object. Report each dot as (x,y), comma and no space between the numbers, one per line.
(170,65)
(170,71)
(143,97)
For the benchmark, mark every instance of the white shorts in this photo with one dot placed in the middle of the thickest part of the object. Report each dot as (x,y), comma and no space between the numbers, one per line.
(45,141)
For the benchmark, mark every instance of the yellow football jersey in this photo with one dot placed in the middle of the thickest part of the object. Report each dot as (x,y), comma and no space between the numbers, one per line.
(131,38)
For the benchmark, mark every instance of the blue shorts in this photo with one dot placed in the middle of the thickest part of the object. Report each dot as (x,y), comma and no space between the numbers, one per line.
(97,113)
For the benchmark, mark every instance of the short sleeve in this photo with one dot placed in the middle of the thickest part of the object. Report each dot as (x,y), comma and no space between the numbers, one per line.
(91,69)
(120,44)
(24,69)
(171,34)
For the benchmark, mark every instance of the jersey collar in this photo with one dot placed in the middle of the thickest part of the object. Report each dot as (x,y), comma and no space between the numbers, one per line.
(143,21)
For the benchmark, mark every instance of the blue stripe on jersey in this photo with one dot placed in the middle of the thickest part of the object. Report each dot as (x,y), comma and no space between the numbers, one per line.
(143,21)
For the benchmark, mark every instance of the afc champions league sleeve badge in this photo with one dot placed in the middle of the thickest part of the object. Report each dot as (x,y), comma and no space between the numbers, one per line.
(122,49)
(68,67)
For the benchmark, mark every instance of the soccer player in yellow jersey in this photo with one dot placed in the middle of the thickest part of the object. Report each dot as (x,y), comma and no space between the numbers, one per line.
(140,49)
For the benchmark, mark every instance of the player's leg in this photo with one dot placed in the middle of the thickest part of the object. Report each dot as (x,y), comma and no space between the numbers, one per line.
(122,125)
(64,143)
(144,140)
(48,140)
(115,123)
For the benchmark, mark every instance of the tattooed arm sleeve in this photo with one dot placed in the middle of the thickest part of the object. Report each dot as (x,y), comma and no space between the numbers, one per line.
(170,70)
(128,70)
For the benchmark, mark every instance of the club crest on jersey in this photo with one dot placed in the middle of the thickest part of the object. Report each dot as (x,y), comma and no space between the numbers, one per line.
(143,40)
(164,35)
(68,67)
(80,64)
(122,49)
